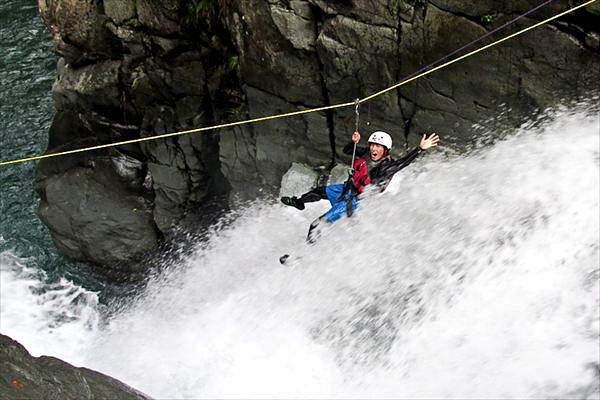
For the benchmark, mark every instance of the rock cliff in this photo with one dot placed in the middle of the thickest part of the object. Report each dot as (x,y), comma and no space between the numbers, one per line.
(25,377)
(135,68)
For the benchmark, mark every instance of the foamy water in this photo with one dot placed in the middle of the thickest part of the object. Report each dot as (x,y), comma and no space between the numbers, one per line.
(50,319)
(471,277)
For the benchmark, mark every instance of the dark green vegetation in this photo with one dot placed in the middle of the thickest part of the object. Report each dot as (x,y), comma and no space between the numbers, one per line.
(486,19)
(416,3)
(201,13)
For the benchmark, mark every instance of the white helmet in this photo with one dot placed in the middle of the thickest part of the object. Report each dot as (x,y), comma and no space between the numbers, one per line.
(381,138)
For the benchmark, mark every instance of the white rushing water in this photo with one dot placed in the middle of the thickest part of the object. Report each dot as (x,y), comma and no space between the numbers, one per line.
(471,277)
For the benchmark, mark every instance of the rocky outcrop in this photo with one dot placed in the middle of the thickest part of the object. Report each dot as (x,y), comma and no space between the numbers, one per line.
(135,68)
(360,47)
(25,377)
(130,69)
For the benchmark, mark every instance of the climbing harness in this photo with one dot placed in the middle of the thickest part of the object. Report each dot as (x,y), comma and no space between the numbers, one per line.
(418,74)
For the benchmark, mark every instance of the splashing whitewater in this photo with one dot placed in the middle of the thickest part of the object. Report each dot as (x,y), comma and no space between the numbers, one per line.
(472,277)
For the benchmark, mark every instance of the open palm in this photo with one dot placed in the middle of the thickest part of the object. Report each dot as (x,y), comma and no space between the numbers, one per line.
(428,142)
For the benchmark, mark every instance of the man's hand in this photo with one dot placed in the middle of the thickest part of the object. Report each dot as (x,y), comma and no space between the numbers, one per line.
(428,142)
(356,137)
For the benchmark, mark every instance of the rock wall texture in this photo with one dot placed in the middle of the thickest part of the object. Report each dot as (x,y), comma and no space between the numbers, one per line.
(25,377)
(135,68)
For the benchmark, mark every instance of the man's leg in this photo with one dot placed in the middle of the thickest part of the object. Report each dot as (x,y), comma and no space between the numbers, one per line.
(314,230)
(335,212)
(316,194)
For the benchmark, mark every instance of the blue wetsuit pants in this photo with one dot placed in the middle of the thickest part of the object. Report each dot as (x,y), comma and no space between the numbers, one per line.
(339,205)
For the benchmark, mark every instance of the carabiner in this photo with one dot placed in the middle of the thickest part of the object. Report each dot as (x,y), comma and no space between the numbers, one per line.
(356,110)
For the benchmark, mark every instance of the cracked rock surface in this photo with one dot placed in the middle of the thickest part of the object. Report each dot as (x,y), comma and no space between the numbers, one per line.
(25,377)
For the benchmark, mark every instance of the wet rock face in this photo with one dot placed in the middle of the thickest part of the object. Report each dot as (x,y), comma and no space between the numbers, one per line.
(528,73)
(79,29)
(25,377)
(136,68)
(131,69)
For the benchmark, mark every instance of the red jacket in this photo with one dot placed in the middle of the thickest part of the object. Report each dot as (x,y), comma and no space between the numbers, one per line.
(361,174)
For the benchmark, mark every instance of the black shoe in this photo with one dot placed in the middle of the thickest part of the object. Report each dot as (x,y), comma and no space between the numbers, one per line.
(293,201)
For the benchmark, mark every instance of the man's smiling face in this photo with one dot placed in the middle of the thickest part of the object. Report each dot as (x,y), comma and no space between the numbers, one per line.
(376,151)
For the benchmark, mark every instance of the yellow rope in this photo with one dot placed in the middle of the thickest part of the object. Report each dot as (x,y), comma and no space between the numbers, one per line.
(166,135)
(290,114)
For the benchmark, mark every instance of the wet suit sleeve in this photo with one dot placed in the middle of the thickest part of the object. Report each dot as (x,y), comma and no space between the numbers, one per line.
(360,150)
(396,165)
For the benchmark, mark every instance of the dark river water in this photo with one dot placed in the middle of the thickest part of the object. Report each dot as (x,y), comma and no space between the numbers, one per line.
(27,72)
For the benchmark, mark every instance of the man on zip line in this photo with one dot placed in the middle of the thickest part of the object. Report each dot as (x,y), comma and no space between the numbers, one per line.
(374,166)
